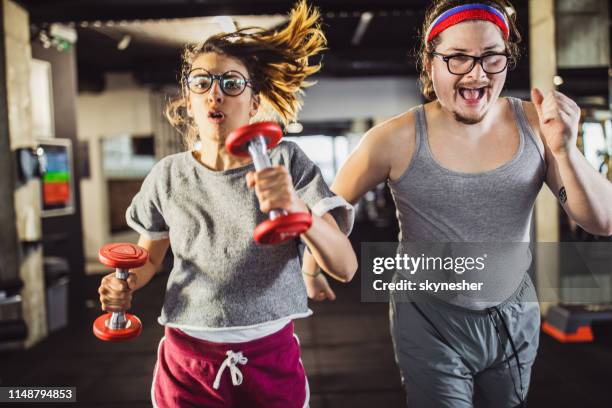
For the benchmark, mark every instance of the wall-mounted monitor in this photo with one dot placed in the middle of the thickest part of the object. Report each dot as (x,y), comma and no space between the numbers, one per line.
(57,179)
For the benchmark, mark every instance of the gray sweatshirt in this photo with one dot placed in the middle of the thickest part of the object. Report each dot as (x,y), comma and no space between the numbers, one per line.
(221,278)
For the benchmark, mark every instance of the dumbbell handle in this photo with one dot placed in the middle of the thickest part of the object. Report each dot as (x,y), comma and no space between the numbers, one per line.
(118,320)
(258,150)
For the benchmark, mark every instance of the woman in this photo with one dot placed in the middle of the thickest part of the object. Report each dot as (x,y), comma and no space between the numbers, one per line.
(230,302)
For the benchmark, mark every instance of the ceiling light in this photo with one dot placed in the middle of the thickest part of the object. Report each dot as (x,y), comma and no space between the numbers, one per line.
(124,42)
(64,32)
(364,22)
(295,127)
(226,23)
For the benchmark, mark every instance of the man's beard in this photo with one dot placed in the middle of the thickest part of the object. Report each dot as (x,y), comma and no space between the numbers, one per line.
(468,121)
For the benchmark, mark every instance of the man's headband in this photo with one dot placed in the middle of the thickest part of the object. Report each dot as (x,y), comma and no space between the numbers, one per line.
(459,14)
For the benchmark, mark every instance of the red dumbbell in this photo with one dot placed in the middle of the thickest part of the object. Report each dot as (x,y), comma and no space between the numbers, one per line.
(255,140)
(120,326)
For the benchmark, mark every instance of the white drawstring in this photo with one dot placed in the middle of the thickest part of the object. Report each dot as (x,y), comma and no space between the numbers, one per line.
(230,361)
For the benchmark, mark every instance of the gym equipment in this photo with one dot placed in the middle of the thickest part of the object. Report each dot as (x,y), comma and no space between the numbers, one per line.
(57,281)
(255,140)
(12,326)
(572,323)
(120,326)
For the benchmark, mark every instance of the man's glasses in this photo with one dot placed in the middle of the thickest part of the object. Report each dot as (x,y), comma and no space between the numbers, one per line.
(232,83)
(461,64)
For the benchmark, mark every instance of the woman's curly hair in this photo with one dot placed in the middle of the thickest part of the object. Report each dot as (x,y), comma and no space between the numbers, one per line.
(276,61)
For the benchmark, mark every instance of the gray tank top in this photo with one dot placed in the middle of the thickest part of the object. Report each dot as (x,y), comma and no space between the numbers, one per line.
(438,205)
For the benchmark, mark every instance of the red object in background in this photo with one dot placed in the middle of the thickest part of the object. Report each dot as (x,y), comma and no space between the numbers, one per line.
(56,193)
(583,334)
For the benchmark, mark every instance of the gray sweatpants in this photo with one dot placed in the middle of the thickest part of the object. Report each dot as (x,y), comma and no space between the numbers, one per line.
(455,357)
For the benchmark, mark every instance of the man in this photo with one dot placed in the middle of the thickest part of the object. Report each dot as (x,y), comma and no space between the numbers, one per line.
(467,167)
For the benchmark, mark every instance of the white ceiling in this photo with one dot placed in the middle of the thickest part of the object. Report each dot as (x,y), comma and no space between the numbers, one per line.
(178,32)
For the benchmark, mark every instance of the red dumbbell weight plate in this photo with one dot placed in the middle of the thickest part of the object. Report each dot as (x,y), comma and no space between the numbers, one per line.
(123,255)
(103,332)
(236,142)
(282,228)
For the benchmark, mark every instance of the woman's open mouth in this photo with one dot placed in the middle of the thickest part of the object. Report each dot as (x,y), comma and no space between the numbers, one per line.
(216,116)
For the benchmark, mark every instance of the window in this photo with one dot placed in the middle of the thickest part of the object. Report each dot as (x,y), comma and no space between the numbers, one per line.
(327,152)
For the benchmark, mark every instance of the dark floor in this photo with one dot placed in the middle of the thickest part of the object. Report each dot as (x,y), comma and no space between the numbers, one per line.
(346,350)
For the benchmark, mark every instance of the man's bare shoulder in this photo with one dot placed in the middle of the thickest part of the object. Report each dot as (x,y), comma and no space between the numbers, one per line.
(393,133)
(392,142)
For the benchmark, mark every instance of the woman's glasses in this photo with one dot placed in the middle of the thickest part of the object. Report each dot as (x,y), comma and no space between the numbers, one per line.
(232,83)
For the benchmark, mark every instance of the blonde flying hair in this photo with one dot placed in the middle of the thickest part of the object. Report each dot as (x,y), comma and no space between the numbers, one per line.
(276,61)
(440,6)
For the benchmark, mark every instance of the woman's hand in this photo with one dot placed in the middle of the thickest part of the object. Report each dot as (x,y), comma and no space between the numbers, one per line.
(116,294)
(274,189)
(318,288)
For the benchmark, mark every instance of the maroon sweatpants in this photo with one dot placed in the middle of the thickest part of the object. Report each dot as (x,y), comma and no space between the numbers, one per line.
(266,372)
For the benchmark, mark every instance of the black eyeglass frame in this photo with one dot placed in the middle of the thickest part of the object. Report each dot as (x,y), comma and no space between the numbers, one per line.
(479,60)
(218,78)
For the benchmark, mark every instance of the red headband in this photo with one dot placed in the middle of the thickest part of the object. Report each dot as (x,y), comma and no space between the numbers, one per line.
(459,14)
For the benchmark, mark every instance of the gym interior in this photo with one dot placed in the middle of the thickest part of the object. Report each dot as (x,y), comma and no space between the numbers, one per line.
(83,87)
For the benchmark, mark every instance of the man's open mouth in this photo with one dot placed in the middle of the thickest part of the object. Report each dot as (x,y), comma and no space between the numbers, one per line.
(472,94)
